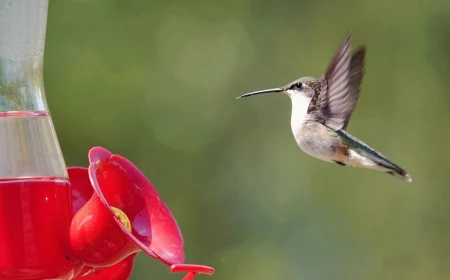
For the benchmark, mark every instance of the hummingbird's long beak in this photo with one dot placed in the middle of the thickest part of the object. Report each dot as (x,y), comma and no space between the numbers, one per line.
(271,90)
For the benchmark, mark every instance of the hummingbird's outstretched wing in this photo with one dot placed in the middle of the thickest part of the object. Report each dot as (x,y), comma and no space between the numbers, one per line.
(340,87)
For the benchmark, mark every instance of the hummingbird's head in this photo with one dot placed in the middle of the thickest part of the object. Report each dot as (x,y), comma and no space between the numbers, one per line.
(305,87)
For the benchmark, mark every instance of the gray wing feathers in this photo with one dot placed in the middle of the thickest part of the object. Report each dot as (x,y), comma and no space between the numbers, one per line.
(340,86)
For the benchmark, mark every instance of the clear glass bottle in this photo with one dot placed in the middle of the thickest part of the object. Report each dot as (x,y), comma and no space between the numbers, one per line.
(35,206)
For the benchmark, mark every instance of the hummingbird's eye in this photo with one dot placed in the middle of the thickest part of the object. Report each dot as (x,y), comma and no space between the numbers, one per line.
(297,86)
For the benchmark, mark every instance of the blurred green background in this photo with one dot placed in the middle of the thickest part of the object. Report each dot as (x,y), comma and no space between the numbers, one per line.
(156,81)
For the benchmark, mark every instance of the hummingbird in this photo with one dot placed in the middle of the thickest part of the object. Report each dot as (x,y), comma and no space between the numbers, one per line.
(321,111)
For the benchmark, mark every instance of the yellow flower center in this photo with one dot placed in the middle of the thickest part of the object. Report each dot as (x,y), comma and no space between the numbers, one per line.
(122,217)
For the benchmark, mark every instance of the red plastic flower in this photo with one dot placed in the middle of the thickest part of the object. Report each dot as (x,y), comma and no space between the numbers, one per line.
(82,191)
(120,217)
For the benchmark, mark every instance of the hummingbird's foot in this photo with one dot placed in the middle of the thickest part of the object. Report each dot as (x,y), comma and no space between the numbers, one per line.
(340,163)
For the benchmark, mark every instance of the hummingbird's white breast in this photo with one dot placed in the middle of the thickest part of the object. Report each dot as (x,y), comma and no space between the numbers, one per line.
(300,104)
(311,137)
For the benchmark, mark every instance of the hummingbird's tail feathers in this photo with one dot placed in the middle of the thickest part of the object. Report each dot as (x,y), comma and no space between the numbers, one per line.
(365,156)
(384,164)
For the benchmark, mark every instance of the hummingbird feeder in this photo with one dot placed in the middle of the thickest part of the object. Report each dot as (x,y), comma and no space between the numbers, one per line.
(59,223)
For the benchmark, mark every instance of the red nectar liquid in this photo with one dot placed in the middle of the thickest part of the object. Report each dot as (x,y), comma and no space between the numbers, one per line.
(35,206)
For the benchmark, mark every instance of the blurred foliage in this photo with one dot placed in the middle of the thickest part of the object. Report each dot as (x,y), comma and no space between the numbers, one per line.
(155,81)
